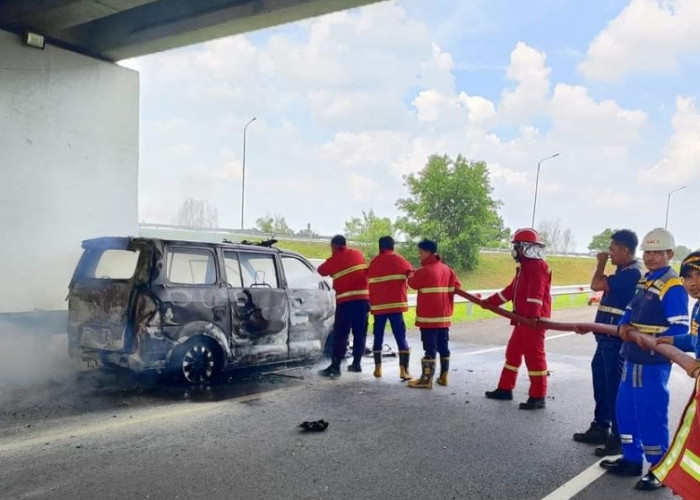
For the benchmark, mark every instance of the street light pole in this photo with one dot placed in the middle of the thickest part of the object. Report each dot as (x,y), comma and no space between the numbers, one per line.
(668,203)
(243,183)
(537,182)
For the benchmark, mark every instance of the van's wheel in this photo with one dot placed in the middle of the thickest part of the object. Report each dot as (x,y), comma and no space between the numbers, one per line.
(198,361)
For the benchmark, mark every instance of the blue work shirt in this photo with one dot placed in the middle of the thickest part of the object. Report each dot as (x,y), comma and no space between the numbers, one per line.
(621,288)
(659,307)
(689,342)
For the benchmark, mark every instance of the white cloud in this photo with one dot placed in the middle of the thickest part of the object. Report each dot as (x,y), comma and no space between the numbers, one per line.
(647,36)
(528,69)
(361,187)
(363,149)
(681,163)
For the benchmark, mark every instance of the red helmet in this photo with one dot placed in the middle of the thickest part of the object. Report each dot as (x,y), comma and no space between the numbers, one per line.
(527,234)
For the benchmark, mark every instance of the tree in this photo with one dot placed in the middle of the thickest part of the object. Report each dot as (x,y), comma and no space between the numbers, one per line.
(450,201)
(556,239)
(274,224)
(681,252)
(366,230)
(197,213)
(601,242)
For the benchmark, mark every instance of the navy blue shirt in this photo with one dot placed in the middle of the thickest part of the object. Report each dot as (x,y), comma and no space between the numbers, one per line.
(621,288)
(689,342)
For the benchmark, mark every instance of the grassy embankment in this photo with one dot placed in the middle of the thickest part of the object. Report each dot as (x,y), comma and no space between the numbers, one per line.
(495,270)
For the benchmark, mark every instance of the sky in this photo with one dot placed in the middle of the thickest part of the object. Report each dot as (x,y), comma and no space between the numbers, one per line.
(348,103)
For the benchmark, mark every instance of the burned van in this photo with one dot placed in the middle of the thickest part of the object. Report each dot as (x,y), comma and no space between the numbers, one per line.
(194,309)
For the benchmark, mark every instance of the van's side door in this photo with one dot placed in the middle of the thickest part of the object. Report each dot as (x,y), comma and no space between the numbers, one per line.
(311,307)
(259,308)
(194,291)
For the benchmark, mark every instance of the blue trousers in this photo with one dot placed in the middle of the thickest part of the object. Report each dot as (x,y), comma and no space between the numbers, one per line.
(607,369)
(353,316)
(642,411)
(398,328)
(435,340)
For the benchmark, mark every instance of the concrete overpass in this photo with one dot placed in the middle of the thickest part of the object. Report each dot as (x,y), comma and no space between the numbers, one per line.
(69,125)
(119,29)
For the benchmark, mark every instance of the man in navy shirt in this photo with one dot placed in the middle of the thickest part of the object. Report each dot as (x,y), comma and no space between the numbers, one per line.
(659,308)
(606,366)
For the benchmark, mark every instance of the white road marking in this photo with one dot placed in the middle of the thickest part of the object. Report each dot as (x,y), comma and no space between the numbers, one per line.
(576,485)
(500,348)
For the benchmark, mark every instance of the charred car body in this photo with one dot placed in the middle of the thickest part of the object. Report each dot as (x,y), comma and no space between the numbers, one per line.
(194,308)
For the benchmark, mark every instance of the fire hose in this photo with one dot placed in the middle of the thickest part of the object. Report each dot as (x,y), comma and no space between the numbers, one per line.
(673,354)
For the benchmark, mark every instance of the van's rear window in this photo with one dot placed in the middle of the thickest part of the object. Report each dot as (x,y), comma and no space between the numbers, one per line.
(111,264)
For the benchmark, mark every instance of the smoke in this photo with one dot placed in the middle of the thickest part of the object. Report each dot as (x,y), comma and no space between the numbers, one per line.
(28,360)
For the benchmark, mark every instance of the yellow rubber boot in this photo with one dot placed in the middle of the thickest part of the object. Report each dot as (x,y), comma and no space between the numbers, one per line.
(444,368)
(377,364)
(403,365)
(426,378)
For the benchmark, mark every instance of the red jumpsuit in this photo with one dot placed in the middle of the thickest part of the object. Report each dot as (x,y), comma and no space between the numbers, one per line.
(529,292)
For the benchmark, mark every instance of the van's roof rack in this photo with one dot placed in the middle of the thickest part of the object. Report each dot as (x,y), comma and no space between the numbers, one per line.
(264,243)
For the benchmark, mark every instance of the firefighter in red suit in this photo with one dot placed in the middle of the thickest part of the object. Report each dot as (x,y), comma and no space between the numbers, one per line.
(435,283)
(348,269)
(529,292)
(388,301)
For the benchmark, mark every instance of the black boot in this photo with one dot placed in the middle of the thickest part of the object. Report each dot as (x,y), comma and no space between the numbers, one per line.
(532,404)
(612,447)
(622,467)
(500,394)
(355,366)
(648,483)
(595,434)
(333,371)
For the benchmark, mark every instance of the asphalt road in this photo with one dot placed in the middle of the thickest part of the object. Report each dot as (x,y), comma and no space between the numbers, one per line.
(91,435)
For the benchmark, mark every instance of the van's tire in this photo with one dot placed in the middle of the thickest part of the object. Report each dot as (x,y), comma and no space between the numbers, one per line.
(199,361)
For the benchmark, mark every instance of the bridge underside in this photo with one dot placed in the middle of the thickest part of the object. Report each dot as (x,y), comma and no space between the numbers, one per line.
(120,29)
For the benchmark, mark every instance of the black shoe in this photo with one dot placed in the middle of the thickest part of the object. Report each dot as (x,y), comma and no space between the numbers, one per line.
(612,447)
(355,367)
(333,371)
(648,483)
(622,467)
(500,394)
(594,435)
(532,404)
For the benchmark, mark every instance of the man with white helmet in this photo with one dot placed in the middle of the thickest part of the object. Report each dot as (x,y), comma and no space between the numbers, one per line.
(659,308)
(531,298)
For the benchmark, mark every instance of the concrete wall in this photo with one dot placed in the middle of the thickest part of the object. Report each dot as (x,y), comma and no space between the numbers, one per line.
(68,166)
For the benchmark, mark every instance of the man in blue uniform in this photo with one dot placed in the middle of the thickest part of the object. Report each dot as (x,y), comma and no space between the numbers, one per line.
(659,308)
(606,366)
(690,272)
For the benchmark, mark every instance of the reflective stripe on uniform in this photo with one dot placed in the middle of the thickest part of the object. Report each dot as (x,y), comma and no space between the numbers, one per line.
(436,289)
(626,438)
(500,296)
(670,283)
(350,294)
(611,310)
(510,367)
(388,277)
(380,307)
(652,450)
(540,373)
(678,320)
(691,464)
(433,320)
(674,453)
(348,270)
(534,301)
(649,329)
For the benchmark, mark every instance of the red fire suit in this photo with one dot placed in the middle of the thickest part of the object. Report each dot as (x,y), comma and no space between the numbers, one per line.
(436,283)
(348,269)
(387,274)
(529,292)
(679,469)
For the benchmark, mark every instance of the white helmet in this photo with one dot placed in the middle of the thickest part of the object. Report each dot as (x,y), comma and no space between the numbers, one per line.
(658,239)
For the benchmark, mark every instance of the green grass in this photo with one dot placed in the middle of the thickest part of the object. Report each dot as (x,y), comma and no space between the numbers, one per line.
(465,312)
